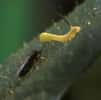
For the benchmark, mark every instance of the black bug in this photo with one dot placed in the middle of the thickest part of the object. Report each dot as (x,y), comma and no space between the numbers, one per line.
(28,63)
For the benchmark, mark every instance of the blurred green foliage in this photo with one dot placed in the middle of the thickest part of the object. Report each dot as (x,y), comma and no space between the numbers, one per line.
(20,20)
(11,25)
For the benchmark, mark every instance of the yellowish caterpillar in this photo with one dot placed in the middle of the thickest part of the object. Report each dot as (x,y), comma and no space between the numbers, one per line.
(47,37)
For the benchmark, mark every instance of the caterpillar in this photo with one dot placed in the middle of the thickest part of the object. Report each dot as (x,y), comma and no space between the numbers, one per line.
(47,37)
